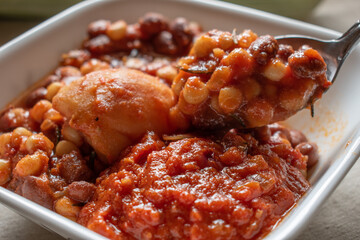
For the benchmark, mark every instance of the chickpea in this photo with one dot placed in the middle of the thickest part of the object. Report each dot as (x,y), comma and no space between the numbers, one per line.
(47,125)
(253,89)
(117,30)
(21,131)
(72,135)
(259,112)
(5,171)
(195,91)
(241,61)
(93,65)
(218,53)
(31,165)
(19,136)
(168,73)
(275,70)
(219,78)
(246,38)
(291,99)
(52,90)
(67,71)
(38,142)
(67,208)
(5,141)
(204,46)
(65,147)
(40,108)
(54,116)
(230,99)
(226,41)
(178,84)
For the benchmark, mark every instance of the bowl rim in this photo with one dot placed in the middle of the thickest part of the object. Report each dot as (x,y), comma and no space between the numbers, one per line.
(290,227)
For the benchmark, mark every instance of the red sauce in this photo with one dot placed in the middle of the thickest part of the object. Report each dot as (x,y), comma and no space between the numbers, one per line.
(231,187)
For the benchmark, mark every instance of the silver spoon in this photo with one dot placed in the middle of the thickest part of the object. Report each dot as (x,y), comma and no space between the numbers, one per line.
(333,51)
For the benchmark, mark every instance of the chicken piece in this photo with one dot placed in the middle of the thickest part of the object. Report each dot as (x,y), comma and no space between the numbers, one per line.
(113,108)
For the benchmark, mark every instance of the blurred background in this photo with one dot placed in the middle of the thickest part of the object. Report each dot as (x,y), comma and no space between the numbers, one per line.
(337,219)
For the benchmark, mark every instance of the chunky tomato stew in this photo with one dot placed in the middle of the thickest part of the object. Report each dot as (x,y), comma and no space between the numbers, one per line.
(155,130)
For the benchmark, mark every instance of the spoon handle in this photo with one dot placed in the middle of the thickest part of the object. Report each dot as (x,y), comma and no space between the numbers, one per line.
(348,41)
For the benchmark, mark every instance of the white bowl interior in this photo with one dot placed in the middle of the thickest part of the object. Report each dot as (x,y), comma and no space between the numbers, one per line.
(31,56)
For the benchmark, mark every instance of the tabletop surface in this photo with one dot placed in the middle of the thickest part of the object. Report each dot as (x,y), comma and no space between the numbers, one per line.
(338,218)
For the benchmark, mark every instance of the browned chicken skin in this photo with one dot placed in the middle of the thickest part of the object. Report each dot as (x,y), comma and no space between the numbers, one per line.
(113,108)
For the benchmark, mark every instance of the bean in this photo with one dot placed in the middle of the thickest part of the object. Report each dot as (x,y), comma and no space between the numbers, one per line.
(81,191)
(204,46)
(65,147)
(307,64)
(178,84)
(182,32)
(5,141)
(5,171)
(40,108)
(38,142)
(67,71)
(195,91)
(240,61)
(117,30)
(291,99)
(253,89)
(219,78)
(263,49)
(284,52)
(35,96)
(230,99)
(167,73)
(297,137)
(75,58)
(31,164)
(98,27)
(67,208)
(54,116)
(99,45)
(52,90)
(246,38)
(93,65)
(164,43)
(275,70)
(259,112)
(310,150)
(153,23)
(226,41)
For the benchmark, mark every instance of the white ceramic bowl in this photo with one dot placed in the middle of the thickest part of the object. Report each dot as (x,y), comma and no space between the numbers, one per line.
(31,56)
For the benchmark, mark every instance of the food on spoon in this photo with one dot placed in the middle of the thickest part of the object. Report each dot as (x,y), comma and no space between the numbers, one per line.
(246,81)
(114,108)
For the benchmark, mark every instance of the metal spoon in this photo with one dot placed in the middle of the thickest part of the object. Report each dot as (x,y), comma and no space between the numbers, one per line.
(333,51)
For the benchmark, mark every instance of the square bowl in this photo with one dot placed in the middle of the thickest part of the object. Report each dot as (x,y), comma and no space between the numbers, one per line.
(32,55)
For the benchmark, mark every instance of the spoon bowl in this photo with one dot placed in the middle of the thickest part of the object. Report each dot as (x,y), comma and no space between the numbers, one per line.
(333,51)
